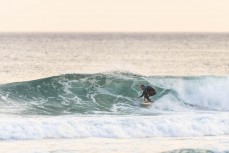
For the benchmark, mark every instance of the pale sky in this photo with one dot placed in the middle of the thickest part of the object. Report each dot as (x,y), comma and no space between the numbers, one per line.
(114,15)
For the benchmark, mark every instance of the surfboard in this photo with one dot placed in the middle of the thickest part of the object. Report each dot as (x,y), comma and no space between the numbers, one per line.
(146,103)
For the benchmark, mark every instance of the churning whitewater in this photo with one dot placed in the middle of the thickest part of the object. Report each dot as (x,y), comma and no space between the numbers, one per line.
(107,105)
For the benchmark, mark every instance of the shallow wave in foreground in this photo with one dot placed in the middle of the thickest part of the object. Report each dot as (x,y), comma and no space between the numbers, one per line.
(114,127)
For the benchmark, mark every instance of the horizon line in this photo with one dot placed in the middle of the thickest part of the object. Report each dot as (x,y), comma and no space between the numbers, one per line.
(117,32)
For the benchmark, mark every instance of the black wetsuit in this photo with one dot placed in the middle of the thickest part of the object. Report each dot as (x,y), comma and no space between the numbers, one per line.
(147,91)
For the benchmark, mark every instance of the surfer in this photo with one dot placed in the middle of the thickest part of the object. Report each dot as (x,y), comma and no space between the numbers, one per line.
(147,92)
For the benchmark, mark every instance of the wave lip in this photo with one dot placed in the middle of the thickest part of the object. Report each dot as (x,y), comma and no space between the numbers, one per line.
(114,127)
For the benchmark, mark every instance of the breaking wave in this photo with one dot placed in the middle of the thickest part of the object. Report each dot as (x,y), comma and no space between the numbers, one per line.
(114,93)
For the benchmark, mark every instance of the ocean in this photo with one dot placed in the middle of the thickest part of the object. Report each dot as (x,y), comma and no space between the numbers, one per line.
(79,92)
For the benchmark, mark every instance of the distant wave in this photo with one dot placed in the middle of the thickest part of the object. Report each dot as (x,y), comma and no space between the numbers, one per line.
(194,151)
(113,93)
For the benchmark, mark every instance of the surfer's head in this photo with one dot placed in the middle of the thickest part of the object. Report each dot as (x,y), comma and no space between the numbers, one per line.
(142,87)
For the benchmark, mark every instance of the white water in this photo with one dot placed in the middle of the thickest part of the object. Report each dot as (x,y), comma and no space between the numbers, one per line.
(181,125)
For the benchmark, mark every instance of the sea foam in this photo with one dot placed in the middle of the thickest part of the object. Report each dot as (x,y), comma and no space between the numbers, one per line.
(114,127)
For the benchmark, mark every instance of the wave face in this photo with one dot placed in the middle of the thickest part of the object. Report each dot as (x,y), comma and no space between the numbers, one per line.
(114,93)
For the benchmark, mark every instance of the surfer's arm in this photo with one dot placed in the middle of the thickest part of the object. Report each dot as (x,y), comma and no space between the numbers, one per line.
(142,95)
(144,92)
